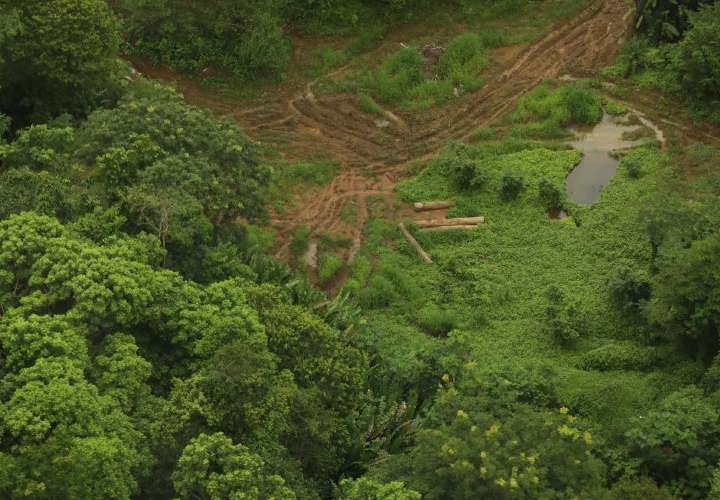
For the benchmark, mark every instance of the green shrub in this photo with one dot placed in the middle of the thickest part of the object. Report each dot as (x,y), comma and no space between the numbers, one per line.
(378,293)
(549,195)
(511,186)
(244,38)
(436,321)
(396,76)
(367,489)
(429,93)
(485,134)
(467,176)
(631,59)
(564,320)
(679,441)
(462,62)
(402,78)
(492,37)
(369,105)
(560,107)
(369,38)
(530,384)
(288,176)
(639,488)
(329,58)
(546,130)
(584,106)
(629,290)
(329,265)
(329,240)
(698,64)
(301,240)
(361,269)
(615,108)
(619,356)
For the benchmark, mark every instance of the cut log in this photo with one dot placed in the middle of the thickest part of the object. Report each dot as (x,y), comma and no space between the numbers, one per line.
(449,228)
(460,221)
(423,255)
(425,206)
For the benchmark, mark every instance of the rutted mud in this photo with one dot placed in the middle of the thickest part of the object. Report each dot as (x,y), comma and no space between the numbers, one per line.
(374,157)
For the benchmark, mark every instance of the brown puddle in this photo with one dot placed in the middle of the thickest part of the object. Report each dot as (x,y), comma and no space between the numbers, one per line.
(587,180)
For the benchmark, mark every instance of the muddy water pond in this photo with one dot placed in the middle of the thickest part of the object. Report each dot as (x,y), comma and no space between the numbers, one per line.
(597,167)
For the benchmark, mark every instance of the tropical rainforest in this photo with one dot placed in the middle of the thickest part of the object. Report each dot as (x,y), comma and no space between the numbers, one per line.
(218,279)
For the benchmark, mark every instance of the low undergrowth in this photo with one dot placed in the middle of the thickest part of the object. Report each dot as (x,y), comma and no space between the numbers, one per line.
(488,297)
(288,177)
(410,80)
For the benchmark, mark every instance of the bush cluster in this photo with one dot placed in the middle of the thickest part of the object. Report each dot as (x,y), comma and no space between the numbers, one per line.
(405,78)
(686,64)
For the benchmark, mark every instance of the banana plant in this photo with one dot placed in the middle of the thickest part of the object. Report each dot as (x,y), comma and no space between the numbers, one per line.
(664,20)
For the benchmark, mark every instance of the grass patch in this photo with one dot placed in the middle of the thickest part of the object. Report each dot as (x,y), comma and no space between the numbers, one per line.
(317,173)
(329,266)
(492,282)
(436,321)
(562,106)
(463,61)
(615,108)
(405,79)
(288,178)
(328,58)
(332,241)
(369,105)
(300,241)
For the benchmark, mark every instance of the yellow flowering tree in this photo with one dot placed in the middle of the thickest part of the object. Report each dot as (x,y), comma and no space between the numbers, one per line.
(483,442)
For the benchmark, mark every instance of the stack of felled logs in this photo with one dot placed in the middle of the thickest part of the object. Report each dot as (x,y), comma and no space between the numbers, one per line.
(444,224)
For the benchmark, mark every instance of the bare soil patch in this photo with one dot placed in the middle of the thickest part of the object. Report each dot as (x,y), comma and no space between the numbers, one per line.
(333,126)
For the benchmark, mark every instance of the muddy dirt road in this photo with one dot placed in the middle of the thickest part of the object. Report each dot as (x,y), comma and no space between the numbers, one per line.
(373,156)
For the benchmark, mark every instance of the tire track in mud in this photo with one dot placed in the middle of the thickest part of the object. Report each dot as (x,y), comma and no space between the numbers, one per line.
(374,154)
(576,46)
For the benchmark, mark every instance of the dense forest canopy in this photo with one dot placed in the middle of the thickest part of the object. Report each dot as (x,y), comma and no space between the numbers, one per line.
(153,345)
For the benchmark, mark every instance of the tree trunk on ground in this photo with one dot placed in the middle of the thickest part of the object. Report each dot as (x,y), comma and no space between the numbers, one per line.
(423,255)
(460,221)
(449,228)
(424,206)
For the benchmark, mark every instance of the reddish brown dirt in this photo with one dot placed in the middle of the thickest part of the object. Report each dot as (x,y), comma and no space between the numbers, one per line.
(306,125)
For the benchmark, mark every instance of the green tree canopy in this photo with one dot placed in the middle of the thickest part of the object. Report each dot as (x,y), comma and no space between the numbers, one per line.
(481,441)
(686,293)
(56,56)
(212,467)
(678,443)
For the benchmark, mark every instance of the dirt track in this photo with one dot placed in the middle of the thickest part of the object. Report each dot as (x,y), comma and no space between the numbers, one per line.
(373,157)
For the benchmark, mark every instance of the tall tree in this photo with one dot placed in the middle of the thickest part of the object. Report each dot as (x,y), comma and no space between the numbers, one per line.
(213,468)
(56,56)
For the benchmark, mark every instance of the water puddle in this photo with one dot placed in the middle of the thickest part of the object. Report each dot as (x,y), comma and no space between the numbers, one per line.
(587,180)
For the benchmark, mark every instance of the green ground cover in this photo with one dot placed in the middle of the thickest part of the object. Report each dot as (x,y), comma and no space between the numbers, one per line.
(484,299)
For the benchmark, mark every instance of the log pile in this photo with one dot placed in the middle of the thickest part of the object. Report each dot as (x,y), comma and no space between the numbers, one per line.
(458,222)
(461,223)
(445,224)
(449,228)
(426,206)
